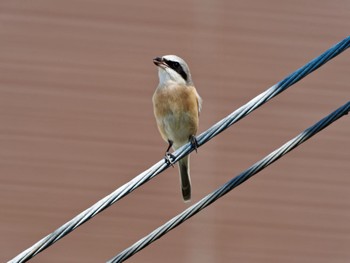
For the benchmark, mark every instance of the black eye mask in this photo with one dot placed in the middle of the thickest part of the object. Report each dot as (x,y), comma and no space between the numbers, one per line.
(177,67)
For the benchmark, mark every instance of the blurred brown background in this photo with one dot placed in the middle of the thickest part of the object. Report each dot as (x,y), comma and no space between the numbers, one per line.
(76,122)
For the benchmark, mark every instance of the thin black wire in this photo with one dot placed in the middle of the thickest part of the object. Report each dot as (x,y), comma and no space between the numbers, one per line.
(236,181)
(147,175)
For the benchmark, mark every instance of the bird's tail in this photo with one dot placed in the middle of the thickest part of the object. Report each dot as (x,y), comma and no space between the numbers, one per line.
(184,169)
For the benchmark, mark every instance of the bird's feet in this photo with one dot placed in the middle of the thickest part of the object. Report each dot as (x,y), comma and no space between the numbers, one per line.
(194,142)
(168,158)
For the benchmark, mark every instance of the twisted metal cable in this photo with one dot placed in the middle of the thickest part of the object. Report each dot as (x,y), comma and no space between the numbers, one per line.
(236,181)
(147,175)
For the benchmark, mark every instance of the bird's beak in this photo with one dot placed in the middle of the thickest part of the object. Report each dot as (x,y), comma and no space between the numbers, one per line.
(159,62)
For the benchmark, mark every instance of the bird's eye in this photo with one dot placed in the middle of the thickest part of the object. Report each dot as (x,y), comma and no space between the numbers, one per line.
(176,64)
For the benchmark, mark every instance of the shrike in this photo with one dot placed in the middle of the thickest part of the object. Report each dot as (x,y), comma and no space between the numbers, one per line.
(176,106)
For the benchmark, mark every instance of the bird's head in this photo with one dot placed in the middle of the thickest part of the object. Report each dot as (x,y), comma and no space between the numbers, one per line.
(173,68)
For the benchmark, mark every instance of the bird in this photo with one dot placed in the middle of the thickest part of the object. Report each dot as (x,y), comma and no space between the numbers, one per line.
(176,107)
